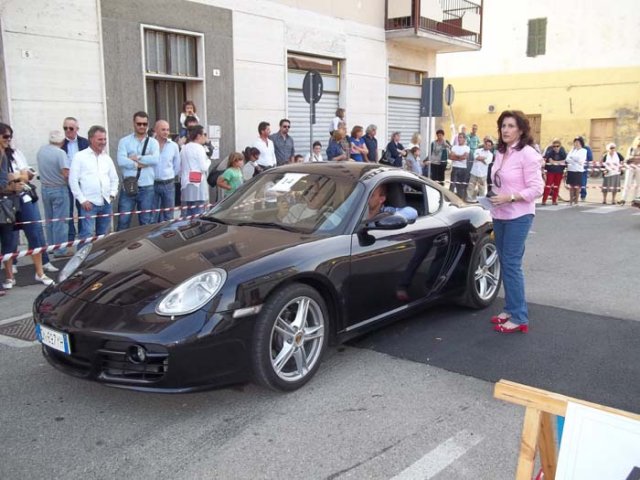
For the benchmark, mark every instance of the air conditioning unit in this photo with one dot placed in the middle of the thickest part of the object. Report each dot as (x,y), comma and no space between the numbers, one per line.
(491,108)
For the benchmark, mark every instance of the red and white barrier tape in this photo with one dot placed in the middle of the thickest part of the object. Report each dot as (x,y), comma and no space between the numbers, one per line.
(116,214)
(60,246)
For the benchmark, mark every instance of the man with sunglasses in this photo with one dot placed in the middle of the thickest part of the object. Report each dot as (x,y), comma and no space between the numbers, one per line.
(73,143)
(283,143)
(137,155)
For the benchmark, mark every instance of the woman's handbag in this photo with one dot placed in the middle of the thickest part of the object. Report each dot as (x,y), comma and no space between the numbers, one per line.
(195,176)
(8,210)
(384,158)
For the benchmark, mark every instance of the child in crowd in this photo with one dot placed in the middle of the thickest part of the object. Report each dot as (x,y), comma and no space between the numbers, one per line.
(251,156)
(232,177)
(298,158)
(316,155)
(188,110)
(412,160)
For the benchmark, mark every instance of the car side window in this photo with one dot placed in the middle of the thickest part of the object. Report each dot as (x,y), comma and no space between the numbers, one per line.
(434,200)
(414,197)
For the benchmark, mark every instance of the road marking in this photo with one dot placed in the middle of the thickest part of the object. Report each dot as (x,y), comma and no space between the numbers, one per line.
(440,457)
(15,342)
(603,210)
(552,208)
(16,318)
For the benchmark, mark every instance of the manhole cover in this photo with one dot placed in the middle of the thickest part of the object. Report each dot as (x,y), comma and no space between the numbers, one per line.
(21,329)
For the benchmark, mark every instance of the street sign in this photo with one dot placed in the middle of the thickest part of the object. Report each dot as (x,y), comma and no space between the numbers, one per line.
(312,86)
(449,95)
(431,99)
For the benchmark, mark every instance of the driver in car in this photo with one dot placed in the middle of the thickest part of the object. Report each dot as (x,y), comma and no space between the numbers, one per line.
(376,206)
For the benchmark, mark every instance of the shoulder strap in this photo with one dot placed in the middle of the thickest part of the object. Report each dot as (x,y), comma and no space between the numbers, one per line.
(144,150)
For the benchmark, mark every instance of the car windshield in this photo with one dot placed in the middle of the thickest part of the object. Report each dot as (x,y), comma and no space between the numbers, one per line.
(308,203)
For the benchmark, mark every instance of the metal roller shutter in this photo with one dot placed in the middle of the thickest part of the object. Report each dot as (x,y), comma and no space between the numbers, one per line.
(299,117)
(404,117)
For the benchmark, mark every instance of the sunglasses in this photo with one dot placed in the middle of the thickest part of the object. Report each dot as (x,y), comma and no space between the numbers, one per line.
(142,124)
(286,126)
(7,137)
(70,129)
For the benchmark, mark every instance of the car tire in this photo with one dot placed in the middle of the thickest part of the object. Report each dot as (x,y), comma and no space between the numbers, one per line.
(484,275)
(289,338)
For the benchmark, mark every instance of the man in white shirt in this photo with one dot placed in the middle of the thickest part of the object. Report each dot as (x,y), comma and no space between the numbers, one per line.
(265,145)
(94,183)
(478,178)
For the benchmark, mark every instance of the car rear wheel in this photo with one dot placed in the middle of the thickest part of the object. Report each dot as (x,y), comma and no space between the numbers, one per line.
(290,337)
(484,276)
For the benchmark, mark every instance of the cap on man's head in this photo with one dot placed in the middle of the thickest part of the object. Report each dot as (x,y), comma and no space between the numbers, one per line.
(56,136)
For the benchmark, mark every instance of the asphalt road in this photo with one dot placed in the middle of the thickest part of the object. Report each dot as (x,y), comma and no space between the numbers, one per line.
(413,400)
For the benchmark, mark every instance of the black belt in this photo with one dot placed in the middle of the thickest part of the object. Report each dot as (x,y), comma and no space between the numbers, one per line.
(163,182)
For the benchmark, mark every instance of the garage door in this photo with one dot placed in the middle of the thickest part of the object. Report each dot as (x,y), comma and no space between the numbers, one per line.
(404,117)
(299,116)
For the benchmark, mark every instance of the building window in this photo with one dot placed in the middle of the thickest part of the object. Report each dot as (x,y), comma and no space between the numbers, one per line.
(537,38)
(171,54)
(405,77)
(172,64)
(300,62)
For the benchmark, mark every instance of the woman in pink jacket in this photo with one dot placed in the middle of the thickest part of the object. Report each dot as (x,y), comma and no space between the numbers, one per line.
(517,183)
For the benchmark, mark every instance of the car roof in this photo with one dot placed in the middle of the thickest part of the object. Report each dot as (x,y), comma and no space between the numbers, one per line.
(356,171)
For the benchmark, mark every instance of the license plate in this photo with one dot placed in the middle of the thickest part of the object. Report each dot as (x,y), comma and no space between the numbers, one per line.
(52,338)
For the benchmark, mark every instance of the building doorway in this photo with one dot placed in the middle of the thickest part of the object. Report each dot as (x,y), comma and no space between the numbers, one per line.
(602,132)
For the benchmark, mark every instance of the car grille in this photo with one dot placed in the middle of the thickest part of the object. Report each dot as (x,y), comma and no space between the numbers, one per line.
(115,363)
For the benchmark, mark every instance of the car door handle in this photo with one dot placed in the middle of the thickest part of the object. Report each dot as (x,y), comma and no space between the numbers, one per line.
(442,239)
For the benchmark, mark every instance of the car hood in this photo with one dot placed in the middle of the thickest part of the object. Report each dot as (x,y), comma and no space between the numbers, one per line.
(140,264)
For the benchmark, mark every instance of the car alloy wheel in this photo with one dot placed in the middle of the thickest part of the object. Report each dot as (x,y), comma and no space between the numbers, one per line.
(487,274)
(290,337)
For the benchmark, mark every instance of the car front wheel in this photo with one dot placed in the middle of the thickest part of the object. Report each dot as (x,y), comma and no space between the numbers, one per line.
(290,337)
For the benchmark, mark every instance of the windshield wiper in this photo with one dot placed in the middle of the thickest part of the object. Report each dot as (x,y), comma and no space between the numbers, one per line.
(211,218)
(280,226)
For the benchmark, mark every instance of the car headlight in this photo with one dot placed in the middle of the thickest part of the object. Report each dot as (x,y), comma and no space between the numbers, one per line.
(73,264)
(193,293)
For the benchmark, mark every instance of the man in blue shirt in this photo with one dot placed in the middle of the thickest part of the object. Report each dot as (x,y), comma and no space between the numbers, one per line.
(376,205)
(137,155)
(167,169)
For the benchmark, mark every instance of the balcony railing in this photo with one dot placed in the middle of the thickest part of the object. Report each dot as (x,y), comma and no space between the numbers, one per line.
(460,19)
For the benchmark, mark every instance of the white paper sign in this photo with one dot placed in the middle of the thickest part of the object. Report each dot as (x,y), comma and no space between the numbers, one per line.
(597,445)
(214,131)
(288,181)
(215,143)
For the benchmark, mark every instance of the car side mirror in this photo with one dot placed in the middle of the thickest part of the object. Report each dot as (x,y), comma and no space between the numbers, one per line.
(387,222)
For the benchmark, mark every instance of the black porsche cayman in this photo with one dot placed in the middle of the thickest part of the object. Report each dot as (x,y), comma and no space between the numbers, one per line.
(258,286)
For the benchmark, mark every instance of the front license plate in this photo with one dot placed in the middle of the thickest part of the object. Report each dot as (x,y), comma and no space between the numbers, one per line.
(52,338)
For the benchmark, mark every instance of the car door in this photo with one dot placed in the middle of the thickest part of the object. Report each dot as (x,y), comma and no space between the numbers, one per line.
(392,269)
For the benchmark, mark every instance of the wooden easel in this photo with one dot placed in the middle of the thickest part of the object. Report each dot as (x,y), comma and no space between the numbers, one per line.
(537,431)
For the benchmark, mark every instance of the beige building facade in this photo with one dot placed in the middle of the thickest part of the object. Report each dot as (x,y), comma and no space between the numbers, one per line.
(582,77)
